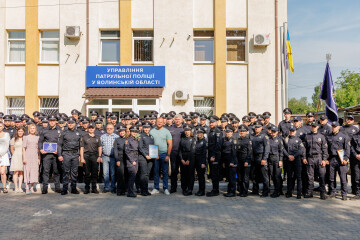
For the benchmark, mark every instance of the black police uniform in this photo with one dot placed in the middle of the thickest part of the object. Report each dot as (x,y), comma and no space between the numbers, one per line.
(119,154)
(337,142)
(325,129)
(69,149)
(200,159)
(187,149)
(49,160)
(275,157)
(350,130)
(177,133)
(228,150)
(261,149)
(355,150)
(294,146)
(244,155)
(91,146)
(214,150)
(316,151)
(132,155)
(284,127)
(145,165)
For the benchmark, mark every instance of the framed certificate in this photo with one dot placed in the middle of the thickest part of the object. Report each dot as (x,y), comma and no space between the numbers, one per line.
(154,151)
(50,147)
(341,154)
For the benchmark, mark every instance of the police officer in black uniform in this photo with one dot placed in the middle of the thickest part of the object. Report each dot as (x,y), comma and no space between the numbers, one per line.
(294,152)
(90,154)
(324,128)
(50,135)
(275,160)
(310,117)
(187,149)
(228,151)
(261,149)
(119,154)
(349,129)
(214,155)
(316,156)
(355,159)
(285,124)
(132,155)
(69,152)
(338,141)
(200,159)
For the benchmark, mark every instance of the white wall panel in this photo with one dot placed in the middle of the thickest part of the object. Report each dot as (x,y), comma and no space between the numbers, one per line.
(15,81)
(48,81)
(203,13)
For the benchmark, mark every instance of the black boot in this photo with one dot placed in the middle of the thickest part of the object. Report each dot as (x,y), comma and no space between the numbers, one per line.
(213,193)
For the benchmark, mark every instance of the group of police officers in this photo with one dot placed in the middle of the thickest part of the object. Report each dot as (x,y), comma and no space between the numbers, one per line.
(218,147)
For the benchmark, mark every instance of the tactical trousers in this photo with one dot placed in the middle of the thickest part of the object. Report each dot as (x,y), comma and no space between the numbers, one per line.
(354,166)
(260,174)
(275,173)
(70,168)
(356,172)
(187,175)
(314,165)
(120,177)
(132,170)
(232,179)
(214,171)
(50,161)
(143,174)
(294,172)
(175,165)
(337,167)
(91,169)
(243,174)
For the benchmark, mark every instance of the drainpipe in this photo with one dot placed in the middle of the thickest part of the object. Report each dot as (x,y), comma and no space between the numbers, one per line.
(276,65)
(87,33)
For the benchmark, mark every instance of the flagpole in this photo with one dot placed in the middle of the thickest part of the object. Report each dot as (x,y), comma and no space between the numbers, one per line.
(328,58)
(286,76)
(282,74)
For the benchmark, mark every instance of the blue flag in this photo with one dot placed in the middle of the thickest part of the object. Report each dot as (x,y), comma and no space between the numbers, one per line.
(327,94)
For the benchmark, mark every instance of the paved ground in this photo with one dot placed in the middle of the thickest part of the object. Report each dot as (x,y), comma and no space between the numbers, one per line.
(106,216)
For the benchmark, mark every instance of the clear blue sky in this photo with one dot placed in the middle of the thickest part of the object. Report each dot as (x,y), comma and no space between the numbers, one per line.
(318,27)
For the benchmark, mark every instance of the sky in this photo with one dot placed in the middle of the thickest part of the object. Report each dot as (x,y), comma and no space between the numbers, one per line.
(318,27)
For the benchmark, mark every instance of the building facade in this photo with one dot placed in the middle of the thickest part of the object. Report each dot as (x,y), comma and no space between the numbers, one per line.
(206,46)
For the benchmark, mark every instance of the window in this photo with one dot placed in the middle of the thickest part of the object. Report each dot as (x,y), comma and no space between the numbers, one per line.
(15,105)
(49,105)
(204,105)
(49,47)
(110,46)
(204,46)
(16,47)
(143,46)
(236,46)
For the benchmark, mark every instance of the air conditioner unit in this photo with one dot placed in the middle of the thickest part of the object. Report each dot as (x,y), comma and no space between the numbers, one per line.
(72,32)
(261,40)
(180,95)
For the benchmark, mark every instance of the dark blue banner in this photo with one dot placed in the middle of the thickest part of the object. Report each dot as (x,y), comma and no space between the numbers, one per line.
(125,76)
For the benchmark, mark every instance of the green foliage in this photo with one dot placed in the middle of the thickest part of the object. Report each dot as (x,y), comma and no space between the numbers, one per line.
(348,89)
(315,98)
(300,106)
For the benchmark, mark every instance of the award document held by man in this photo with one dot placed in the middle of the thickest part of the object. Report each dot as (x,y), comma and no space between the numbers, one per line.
(50,147)
(154,151)
(341,154)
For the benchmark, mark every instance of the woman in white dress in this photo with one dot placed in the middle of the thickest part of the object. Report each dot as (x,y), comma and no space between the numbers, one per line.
(4,157)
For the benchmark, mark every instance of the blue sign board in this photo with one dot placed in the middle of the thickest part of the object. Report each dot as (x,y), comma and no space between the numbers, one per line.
(125,76)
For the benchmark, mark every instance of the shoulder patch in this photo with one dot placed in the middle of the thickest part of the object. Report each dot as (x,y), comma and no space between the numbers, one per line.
(319,139)
(266,137)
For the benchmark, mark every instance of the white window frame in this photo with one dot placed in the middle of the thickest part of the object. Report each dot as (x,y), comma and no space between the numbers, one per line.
(204,39)
(47,108)
(49,40)
(14,40)
(202,98)
(108,39)
(8,109)
(238,38)
(142,38)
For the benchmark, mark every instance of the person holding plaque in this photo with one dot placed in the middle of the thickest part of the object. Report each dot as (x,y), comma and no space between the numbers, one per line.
(187,157)
(69,152)
(145,160)
(339,153)
(48,140)
(132,155)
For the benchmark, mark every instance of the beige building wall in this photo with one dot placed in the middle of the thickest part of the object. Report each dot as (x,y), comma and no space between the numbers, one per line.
(2,54)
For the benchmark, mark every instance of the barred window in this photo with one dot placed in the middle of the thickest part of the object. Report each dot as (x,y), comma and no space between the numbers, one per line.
(49,105)
(236,46)
(15,105)
(143,46)
(204,105)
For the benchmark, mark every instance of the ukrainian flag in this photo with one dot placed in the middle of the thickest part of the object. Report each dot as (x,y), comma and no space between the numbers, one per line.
(289,52)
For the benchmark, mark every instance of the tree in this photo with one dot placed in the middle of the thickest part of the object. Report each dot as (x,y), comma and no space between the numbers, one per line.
(300,106)
(348,91)
(315,98)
